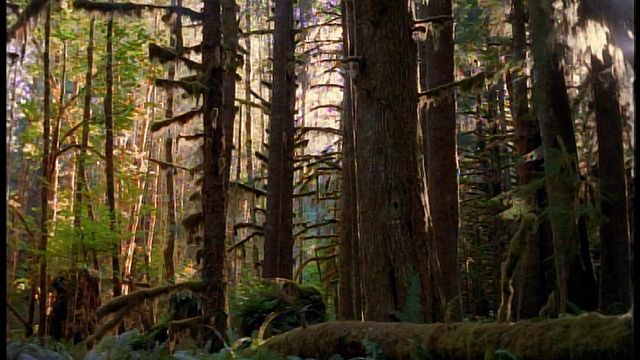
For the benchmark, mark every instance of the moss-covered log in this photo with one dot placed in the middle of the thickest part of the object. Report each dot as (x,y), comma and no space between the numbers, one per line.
(588,336)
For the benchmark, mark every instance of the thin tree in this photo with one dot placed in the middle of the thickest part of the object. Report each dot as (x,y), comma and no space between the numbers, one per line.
(176,44)
(349,293)
(81,179)
(108,153)
(216,165)
(46,183)
(278,244)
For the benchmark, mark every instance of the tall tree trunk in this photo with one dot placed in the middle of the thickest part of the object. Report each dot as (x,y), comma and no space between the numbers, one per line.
(531,295)
(248,129)
(278,245)
(108,153)
(614,294)
(248,142)
(47,172)
(216,165)
(440,153)
(561,168)
(350,298)
(80,186)
(84,142)
(390,203)
(169,266)
(230,30)
(33,202)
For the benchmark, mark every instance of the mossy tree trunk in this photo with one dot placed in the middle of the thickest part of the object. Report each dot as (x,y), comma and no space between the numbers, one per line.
(590,336)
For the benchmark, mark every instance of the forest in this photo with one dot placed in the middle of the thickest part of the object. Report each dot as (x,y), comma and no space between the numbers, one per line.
(320,179)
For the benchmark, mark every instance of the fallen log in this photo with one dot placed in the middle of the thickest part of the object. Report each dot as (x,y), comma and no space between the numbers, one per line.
(588,336)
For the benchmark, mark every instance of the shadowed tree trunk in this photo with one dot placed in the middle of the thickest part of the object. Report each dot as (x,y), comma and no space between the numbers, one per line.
(550,98)
(614,294)
(230,31)
(350,299)
(108,153)
(278,243)
(532,294)
(216,165)
(46,183)
(391,206)
(169,266)
(438,123)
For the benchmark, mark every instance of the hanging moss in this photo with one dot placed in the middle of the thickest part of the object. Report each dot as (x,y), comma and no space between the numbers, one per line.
(180,119)
(190,84)
(134,9)
(165,55)
(161,53)
(106,7)
(588,336)
(190,137)
(191,222)
(165,165)
(30,12)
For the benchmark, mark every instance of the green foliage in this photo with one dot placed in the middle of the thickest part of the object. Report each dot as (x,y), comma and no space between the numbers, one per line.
(130,345)
(373,350)
(283,305)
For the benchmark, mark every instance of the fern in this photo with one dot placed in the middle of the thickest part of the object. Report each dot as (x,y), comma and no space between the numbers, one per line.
(373,350)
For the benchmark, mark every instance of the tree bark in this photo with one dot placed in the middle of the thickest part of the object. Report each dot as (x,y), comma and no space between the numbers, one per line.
(438,123)
(279,241)
(47,172)
(168,253)
(108,153)
(350,297)
(561,168)
(216,166)
(614,292)
(391,207)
